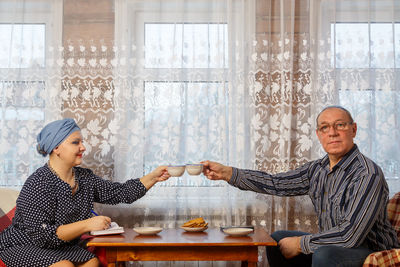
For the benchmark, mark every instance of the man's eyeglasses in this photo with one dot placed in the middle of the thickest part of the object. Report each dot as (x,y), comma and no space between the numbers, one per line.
(338,126)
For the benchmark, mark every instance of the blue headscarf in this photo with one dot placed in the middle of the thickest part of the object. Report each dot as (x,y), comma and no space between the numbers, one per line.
(53,134)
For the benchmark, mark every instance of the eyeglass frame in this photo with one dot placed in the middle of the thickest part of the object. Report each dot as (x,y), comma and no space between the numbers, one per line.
(334,126)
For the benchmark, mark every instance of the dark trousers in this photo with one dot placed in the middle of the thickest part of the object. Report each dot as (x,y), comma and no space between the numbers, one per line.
(326,256)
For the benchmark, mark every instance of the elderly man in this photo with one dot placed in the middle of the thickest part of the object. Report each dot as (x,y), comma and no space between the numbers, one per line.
(348,190)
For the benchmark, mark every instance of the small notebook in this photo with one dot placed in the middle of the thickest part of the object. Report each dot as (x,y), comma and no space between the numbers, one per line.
(114,229)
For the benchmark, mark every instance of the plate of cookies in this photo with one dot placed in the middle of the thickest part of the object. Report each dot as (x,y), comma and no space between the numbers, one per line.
(195,225)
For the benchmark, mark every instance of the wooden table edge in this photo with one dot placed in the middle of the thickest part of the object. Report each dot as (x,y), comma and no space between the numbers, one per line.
(101,244)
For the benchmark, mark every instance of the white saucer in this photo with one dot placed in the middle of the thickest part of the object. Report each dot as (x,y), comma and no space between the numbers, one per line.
(194,229)
(147,230)
(237,231)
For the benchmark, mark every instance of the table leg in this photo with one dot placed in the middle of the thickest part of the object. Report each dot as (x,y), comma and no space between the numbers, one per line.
(248,264)
(111,256)
(117,264)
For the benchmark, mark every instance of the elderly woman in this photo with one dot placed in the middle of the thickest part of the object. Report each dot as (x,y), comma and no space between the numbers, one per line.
(55,203)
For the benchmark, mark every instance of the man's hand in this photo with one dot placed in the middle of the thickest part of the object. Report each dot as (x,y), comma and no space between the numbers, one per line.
(216,171)
(290,246)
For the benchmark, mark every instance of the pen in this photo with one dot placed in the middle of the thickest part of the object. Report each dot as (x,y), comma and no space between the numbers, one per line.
(92,211)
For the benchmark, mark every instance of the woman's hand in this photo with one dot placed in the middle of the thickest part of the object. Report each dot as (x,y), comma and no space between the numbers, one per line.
(98,223)
(71,231)
(158,175)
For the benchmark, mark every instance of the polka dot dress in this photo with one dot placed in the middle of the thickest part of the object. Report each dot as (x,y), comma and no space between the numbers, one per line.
(46,202)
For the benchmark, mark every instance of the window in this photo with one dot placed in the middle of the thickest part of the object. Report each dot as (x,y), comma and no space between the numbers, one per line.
(25,100)
(28,29)
(189,45)
(182,65)
(22,45)
(365,45)
(365,55)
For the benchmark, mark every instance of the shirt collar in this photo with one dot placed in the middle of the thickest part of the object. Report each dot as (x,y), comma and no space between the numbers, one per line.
(345,161)
(57,180)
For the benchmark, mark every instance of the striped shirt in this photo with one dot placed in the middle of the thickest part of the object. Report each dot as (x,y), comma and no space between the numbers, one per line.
(350,200)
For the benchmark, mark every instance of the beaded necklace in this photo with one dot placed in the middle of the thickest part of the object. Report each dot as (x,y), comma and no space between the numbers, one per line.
(74,188)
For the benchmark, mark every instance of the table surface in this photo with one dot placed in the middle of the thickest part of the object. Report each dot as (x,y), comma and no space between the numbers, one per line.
(178,238)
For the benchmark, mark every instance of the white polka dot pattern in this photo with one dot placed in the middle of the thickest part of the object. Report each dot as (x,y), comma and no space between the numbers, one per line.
(46,202)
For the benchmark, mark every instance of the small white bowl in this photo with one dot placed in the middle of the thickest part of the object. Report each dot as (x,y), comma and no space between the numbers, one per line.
(176,170)
(194,169)
(237,231)
(147,230)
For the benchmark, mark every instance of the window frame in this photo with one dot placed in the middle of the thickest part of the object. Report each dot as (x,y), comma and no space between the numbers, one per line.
(49,13)
(368,12)
(130,33)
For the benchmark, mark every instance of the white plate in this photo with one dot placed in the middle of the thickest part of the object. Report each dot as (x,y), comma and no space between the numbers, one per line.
(147,230)
(194,229)
(237,231)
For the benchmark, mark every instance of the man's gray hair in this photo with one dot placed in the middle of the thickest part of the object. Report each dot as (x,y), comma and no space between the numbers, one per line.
(339,107)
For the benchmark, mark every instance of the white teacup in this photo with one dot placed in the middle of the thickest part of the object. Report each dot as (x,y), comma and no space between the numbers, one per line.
(176,170)
(194,169)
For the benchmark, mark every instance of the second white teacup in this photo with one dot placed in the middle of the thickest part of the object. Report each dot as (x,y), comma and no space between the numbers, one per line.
(194,169)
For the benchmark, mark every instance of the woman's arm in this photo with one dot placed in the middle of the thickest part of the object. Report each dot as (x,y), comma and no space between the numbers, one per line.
(158,175)
(109,192)
(68,232)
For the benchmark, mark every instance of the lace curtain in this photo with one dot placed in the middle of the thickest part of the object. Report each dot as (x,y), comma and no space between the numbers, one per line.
(358,59)
(180,81)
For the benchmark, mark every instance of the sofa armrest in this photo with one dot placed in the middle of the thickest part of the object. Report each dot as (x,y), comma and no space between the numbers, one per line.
(8,198)
(387,258)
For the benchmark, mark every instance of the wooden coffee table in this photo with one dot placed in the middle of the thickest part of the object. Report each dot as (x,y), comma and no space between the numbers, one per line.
(178,245)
